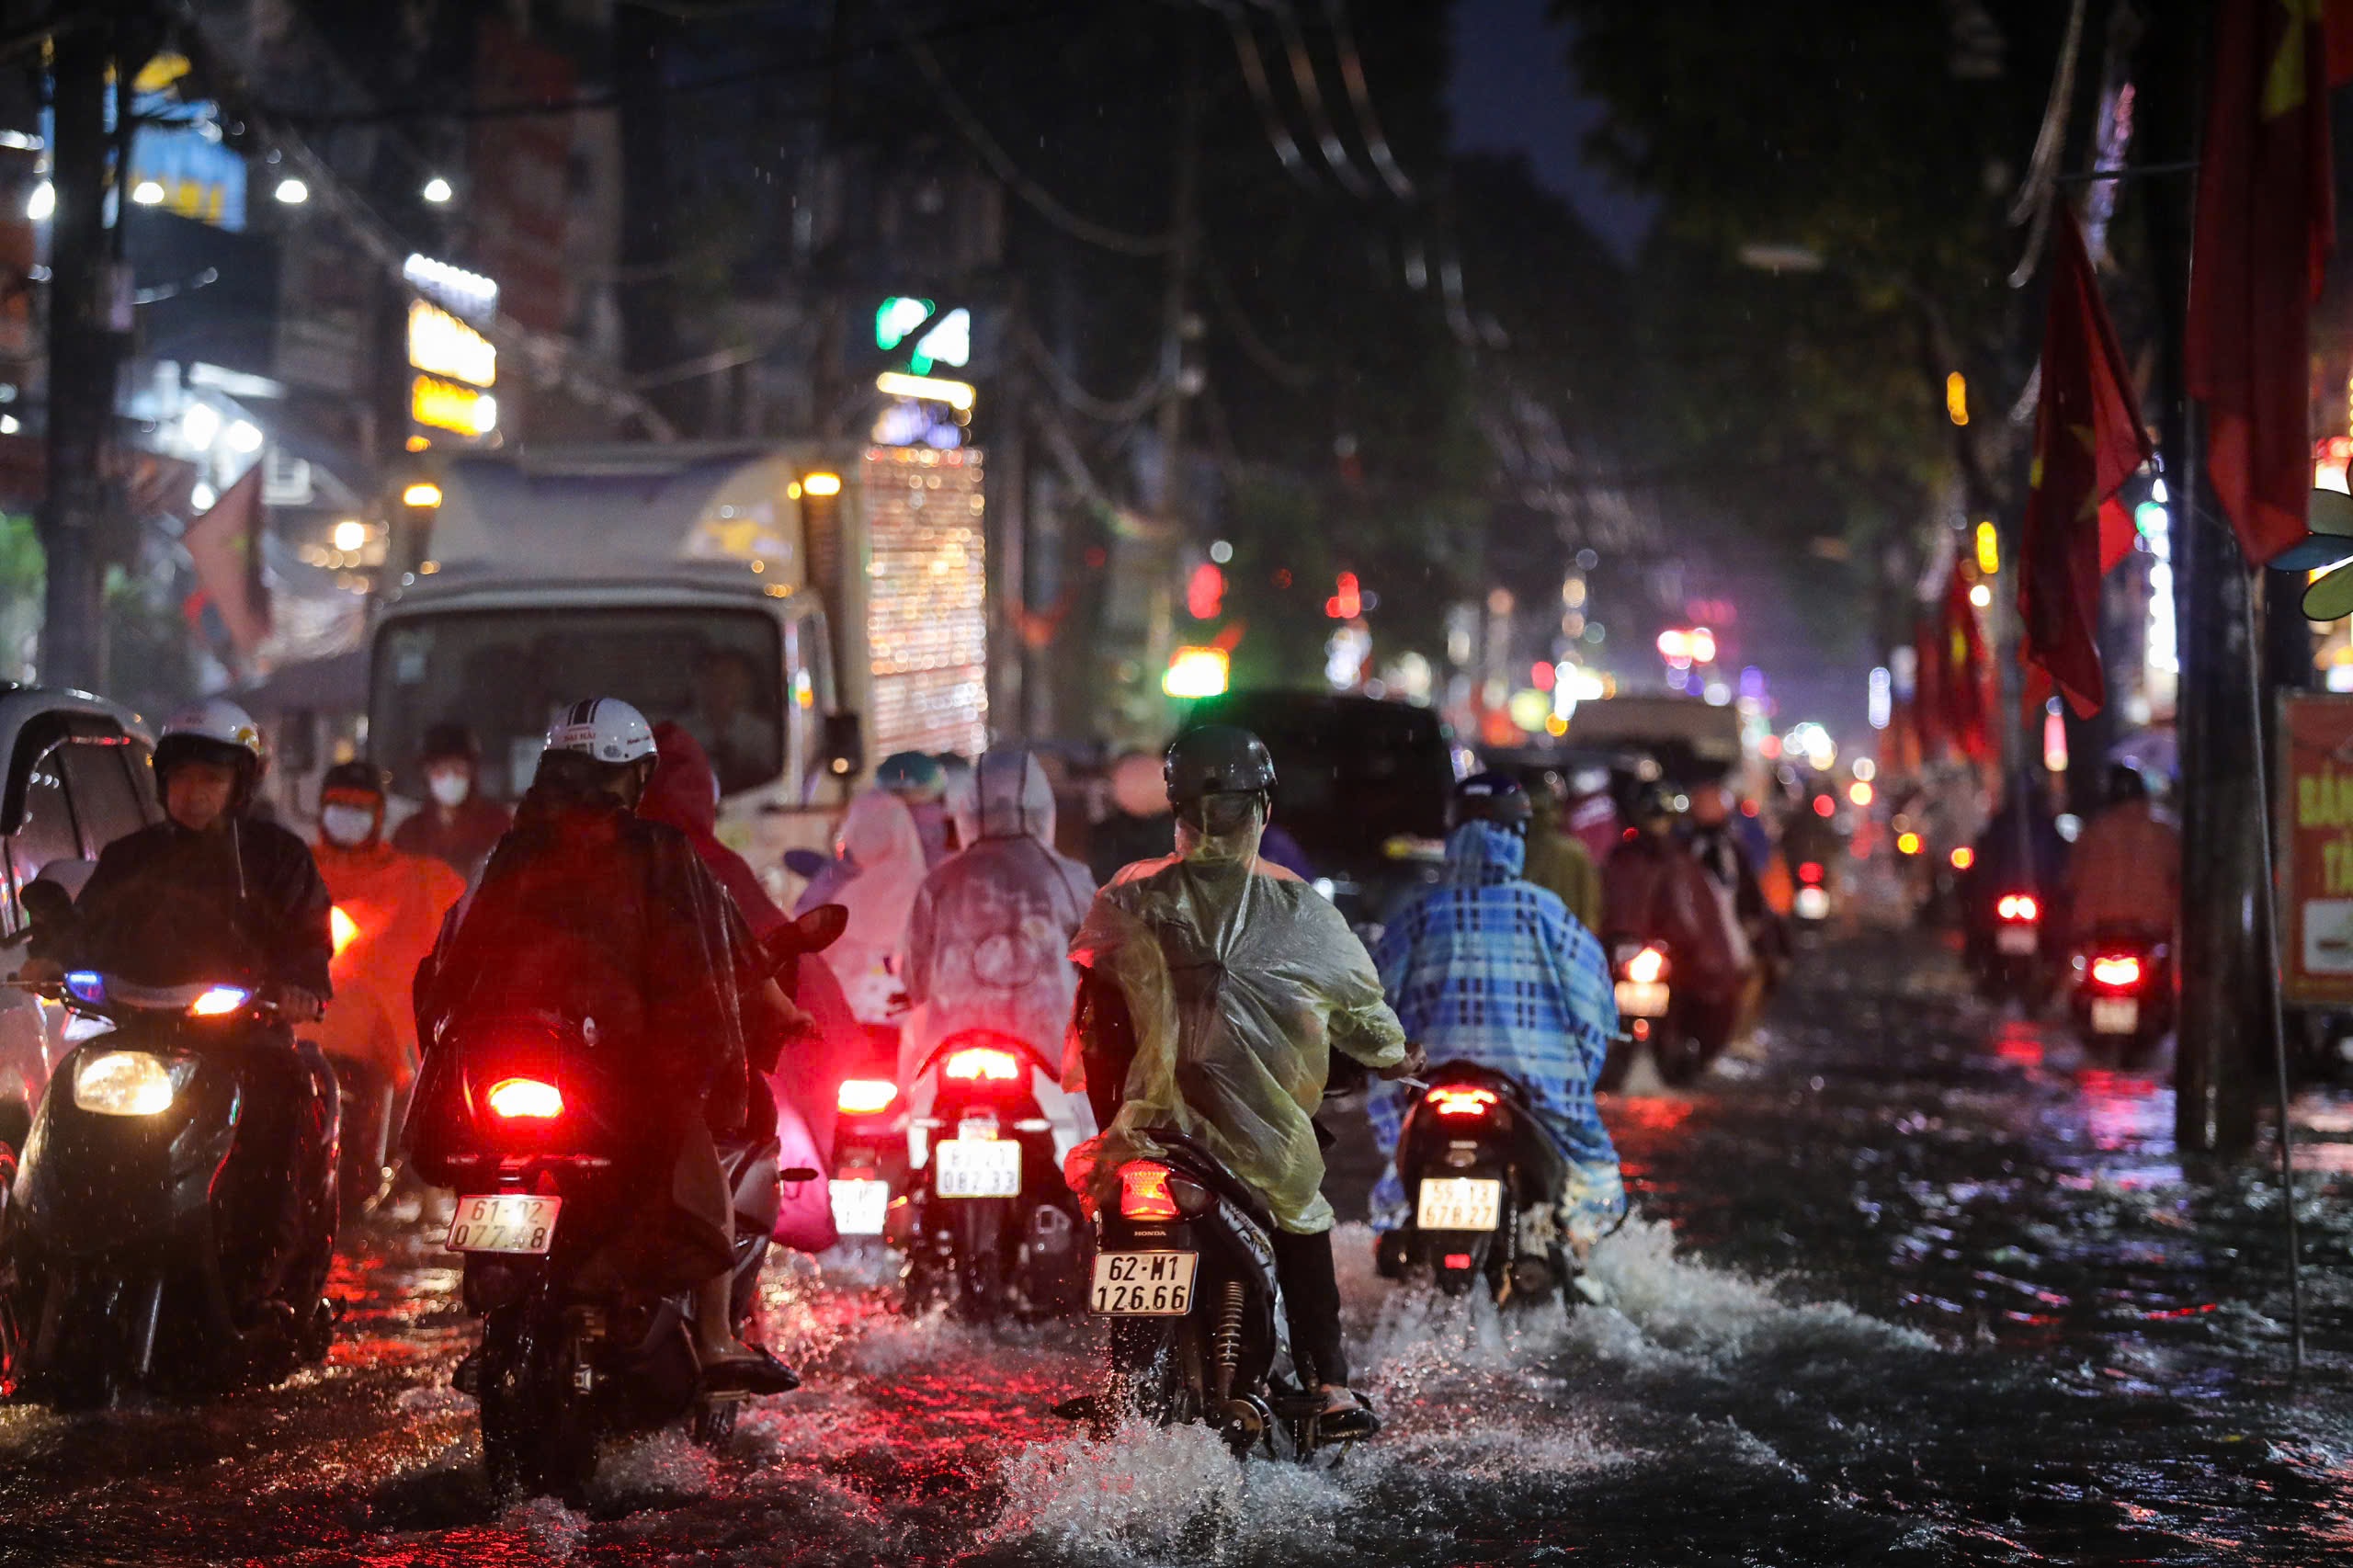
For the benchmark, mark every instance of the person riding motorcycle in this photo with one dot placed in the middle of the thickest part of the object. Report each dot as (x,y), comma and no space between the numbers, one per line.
(989,932)
(1653,889)
(388,907)
(1489,968)
(2019,850)
(921,784)
(2125,872)
(591,912)
(210,893)
(1558,860)
(457,826)
(1234,980)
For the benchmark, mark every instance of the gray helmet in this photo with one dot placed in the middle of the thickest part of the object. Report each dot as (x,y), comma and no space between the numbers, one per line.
(1216,759)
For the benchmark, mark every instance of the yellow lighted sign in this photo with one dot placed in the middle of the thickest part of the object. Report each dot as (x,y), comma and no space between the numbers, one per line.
(1196,672)
(424,492)
(441,344)
(1989,549)
(930,389)
(1957,398)
(447,405)
(822,484)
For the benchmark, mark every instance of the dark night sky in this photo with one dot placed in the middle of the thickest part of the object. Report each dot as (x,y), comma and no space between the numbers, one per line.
(1513,92)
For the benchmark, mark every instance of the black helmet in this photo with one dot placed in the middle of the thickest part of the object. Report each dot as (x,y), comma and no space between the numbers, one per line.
(449,739)
(1658,799)
(1216,759)
(353,777)
(2126,782)
(1492,797)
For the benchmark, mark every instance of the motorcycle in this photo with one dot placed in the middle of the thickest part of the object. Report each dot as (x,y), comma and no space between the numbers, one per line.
(523,1116)
(2122,994)
(1810,903)
(871,1165)
(1184,1267)
(2011,961)
(175,1204)
(990,1225)
(1683,1032)
(1484,1176)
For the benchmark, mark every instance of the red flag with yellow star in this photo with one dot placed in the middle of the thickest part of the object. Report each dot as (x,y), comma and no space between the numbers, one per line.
(2088,439)
(2265,221)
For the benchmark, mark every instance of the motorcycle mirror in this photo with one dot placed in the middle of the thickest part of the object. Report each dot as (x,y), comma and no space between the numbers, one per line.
(47,903)
(821,928)
(796,1173)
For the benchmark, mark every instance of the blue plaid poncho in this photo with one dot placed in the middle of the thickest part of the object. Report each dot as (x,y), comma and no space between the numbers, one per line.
(1494,969)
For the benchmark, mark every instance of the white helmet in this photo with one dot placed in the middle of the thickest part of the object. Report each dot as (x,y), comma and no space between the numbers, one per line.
(218,720)
(603,728)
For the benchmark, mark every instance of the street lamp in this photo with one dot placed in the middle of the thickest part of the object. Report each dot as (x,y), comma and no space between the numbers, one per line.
(293,191)
(436,190)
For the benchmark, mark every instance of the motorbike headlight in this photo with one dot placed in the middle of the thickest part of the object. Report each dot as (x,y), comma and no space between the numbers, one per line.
(123,1083)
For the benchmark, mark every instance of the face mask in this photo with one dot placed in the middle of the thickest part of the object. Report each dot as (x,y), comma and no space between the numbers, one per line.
(347,825)
(449,788)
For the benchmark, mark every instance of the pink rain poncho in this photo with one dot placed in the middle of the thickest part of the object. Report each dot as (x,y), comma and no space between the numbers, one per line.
(989,940)
(879,837)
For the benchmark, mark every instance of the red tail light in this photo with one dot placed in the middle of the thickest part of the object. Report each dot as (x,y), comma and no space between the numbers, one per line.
(2118,970)
(1809,872)
(525,1099)
(1461,1102)
(1457,1260)
(2019,906)
(1144,1191)
(864,1097)
(983,1061)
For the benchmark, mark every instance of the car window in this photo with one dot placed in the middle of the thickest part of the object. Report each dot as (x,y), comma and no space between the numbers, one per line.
(46,833)
(106,800)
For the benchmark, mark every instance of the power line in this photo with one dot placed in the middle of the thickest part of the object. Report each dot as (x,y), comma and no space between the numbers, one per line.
(1110,411)
(1376,143)
(1310,97)
(1001,164)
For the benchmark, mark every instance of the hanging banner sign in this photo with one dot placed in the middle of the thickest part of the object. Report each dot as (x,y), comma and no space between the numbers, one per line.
(2315,838)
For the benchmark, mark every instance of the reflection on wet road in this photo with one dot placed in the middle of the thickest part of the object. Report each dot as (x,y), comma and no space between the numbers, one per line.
(1921,1285)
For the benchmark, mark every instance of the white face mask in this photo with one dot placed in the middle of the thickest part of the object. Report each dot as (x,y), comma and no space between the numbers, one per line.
(448,786)
(347,825)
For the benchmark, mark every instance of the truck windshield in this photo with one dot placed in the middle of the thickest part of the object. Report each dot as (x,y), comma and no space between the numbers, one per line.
(1351,773)
(507,673)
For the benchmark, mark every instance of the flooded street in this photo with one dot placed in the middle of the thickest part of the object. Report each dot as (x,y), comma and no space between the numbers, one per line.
(1921,1286)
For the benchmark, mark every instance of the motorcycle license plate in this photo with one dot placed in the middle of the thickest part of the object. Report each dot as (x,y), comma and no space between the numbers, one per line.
(1144,1284)
(2115,1015)
(2019,940)
(1643,998)
(1459,1203)
(859,1205)
(973,1167)
(509,1222)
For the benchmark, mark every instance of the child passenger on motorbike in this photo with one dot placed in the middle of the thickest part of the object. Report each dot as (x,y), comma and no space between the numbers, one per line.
(1489,968)
(1235,980)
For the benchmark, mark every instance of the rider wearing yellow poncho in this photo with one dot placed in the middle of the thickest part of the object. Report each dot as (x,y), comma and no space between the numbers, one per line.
(1238,981)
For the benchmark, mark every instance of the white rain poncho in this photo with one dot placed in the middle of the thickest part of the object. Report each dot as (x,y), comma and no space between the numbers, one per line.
(879,838)
(989,940)
(1241,980)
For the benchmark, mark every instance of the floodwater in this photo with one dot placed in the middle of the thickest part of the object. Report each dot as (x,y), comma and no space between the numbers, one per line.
(1922,1285)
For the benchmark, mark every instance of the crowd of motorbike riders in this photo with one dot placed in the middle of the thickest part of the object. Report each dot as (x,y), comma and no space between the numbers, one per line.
(608,899)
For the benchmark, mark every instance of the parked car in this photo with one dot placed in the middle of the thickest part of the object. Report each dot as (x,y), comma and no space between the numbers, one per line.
(78,777)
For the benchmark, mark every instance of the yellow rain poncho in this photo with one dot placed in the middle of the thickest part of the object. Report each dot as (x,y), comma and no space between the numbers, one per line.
(1240,980)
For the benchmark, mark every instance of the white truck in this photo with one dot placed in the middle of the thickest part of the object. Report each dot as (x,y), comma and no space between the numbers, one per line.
(803,610)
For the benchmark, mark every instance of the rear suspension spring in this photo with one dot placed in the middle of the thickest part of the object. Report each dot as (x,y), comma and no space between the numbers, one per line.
(1225,1339)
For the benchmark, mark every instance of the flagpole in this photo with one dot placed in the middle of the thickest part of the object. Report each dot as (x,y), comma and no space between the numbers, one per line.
(2271,911)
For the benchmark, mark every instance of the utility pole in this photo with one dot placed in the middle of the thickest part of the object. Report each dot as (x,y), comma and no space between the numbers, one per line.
(2224,897)
(85,351)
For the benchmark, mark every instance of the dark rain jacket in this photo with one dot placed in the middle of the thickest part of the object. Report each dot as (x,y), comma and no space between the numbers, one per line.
(590,912)
(168,905)
(462,842)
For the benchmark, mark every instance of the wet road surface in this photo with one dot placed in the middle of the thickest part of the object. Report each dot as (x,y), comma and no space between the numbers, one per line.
(1922,1285)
